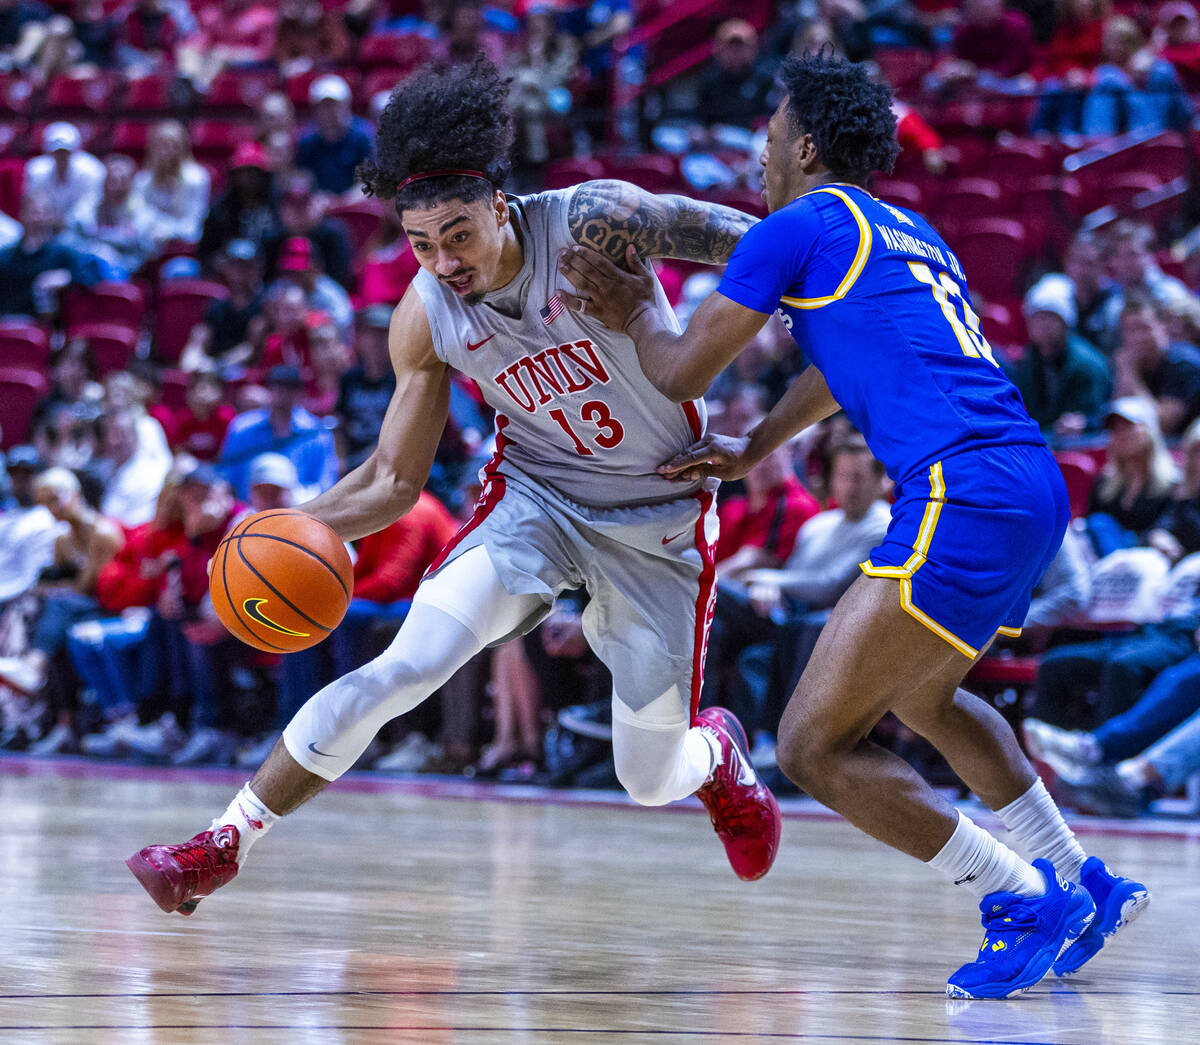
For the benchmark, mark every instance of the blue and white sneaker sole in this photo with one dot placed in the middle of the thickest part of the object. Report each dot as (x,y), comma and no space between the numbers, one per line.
(1039,965)
(1131,908)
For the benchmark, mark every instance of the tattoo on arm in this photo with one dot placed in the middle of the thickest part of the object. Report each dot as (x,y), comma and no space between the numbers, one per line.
(609,215)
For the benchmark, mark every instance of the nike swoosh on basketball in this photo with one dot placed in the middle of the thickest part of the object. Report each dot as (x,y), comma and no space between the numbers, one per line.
(479,344)
(668,540)
(254,612)
(313,748)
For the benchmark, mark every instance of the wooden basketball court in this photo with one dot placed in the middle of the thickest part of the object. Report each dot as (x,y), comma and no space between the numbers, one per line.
(437,913)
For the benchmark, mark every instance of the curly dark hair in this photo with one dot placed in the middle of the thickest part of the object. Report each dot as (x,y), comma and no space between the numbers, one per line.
(450,118)
(849,116)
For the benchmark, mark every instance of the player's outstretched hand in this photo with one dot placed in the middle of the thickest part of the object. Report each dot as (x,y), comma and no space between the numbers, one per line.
(721,455)
(606,292)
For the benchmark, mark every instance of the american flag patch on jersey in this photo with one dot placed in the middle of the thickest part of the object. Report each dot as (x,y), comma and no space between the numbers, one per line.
(553,309)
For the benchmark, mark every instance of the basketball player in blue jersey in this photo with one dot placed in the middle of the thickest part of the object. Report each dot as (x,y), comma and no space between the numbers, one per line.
(879,305)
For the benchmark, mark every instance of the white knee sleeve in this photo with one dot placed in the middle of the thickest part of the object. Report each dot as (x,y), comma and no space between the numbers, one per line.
(333,729)
(658,758)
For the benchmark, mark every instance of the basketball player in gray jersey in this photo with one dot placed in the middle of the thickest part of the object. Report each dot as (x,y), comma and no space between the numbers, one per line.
(571,498)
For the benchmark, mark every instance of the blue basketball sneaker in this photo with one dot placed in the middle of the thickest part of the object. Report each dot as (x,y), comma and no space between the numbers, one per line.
(1118,902)
(1023,937)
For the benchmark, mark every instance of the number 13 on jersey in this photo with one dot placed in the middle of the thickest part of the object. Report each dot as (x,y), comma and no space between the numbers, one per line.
(608,431)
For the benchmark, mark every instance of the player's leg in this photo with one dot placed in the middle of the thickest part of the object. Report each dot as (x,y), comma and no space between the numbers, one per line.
(661,752)
(871,656)
(463,608)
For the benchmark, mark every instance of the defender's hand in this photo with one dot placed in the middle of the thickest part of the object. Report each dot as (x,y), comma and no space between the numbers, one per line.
(606,293)
(723,456)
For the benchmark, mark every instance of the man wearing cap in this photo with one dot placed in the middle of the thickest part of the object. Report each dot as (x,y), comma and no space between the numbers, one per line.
(67,176)
(283,427)
(735,87)
(338,141)
(247,210)
(1063,379)
(298,264)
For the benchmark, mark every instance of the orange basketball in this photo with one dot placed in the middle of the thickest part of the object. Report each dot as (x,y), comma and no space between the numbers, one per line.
(281,580)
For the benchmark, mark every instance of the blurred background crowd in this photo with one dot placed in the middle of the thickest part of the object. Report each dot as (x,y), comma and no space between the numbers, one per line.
(194,303)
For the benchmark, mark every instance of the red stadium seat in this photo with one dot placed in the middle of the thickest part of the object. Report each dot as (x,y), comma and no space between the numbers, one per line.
(992,251)
(563,173)
(1016,162)
(966,198)
(174,388)
(361,218)
(23,345)
(12,176)
(130,137)
(148,96)
(120,303)
(903,67)
(747,200)
(111,346)
(900,193)
(1049,206)
(216,140)
(378,81)
(1120,190)
(238,92)
(405,51)
(181,305)
(1003,325)
(1079,471)
(20,390)
(70,95)
(653,172)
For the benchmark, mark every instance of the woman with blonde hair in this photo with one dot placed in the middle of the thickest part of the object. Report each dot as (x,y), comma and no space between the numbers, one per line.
(1138,480)
(172,188)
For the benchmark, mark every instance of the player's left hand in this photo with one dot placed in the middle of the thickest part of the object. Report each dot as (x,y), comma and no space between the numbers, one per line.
(606,292)
(723,456)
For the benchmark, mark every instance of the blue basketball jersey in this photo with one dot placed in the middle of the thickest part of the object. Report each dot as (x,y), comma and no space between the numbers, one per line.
(879,304)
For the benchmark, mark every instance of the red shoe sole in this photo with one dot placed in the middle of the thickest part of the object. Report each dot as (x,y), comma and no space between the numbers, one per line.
(154,883)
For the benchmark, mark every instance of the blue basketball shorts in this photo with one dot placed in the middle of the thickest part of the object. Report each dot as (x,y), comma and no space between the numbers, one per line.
(969,546)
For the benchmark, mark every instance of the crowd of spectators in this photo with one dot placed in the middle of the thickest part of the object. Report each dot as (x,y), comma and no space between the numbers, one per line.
(208,313)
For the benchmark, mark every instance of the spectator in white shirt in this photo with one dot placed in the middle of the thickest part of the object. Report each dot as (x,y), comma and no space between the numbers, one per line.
(172,189)
(27,529)
(132,480)
(69,178)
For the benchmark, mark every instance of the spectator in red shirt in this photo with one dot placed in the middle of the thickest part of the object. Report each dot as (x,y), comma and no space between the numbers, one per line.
(759,528)
(199,428)
(1076,46)
(235,32)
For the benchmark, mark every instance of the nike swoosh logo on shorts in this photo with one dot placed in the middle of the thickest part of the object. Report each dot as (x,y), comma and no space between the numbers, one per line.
(313,748)
(668,540)
(479,344)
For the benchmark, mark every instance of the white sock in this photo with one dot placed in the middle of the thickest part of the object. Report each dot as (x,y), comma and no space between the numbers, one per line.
(985,865)
(1038,825)
(252,819)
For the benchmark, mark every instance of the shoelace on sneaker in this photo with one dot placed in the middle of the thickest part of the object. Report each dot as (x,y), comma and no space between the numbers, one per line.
(998,924)
(197,855)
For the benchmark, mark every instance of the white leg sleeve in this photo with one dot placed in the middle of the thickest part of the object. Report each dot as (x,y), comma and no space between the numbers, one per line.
(658,758)
(465,608)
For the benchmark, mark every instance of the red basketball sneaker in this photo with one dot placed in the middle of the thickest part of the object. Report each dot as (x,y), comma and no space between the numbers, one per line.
(744,813)
(178,877)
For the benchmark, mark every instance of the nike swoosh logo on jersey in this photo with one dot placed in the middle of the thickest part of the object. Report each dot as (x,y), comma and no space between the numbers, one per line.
(313,748)
(668,540)
(479,344)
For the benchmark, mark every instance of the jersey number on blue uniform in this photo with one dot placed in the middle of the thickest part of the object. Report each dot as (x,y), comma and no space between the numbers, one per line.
(949,296)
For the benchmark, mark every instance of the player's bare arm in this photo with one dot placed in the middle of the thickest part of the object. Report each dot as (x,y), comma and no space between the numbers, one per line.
(388,483)
(807,401)
(610,216)
(680,366)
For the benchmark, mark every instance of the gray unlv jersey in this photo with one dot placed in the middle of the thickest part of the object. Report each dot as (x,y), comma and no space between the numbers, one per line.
(573,408)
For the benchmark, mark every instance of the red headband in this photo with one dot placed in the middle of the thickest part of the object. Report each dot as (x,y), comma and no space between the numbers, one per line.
(441,174)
